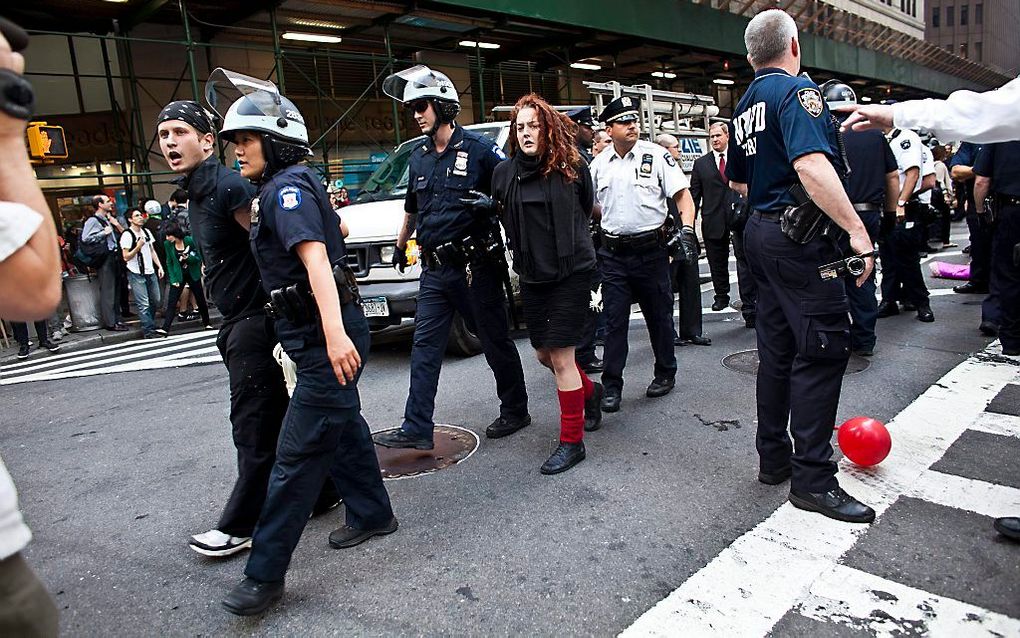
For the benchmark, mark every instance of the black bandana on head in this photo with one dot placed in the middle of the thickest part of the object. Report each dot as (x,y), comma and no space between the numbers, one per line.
(189,112)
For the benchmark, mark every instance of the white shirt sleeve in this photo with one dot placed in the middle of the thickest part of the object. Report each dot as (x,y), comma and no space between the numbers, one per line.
(672,176)
(17,225)
(125,241)
(982,118)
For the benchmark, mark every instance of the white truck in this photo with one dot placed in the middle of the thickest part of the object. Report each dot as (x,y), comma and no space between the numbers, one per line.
(389,296)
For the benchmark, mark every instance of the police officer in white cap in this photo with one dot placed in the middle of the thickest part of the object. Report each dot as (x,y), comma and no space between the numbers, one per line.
(633,180)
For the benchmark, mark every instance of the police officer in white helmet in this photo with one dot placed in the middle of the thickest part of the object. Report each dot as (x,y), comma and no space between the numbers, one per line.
(447,205)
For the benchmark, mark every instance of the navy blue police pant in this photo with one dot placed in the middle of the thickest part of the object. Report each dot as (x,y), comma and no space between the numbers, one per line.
(803,334)
(323,435)
(643,277)
(899,250)
(585,352)
(863,302)
(258,402)
(1005,279)
(482,304)
(745,280)
(688,293)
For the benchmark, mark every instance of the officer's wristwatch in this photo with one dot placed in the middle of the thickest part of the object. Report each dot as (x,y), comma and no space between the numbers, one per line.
(16,96)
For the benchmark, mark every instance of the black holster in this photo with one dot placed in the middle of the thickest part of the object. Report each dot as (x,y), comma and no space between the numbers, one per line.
(804,222)
(296,303)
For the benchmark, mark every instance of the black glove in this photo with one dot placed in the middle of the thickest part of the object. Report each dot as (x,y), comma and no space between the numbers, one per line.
(479,203)
(689,245)
(400,258)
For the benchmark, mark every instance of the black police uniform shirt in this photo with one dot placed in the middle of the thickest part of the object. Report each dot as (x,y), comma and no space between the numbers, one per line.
(966,155)
(437,182)
(779,119)
(870,159)
(232,277)
(1001,163)
(292,207)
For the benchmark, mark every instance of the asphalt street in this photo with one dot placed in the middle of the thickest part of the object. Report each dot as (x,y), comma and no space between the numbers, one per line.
(115,471)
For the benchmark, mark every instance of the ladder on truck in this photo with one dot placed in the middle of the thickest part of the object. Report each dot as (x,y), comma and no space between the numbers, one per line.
(686,114)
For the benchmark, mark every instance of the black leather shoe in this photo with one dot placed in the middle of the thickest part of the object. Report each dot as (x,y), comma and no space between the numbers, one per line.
(1009,527)
(252,597)
(720,303)
(864,352)
(592,411)
(907,306)
(400,439)
(835,504)
(611,401)
(592,366)
(505,426)
(970,288)
(345,536)
(775,477)
(696,340)
(679,341)
(660,387)
(925,314)
(566,456)
(887,309)
(989,329)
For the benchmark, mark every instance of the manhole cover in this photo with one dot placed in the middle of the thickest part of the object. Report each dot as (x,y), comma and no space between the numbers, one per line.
(746,362)
(452,445)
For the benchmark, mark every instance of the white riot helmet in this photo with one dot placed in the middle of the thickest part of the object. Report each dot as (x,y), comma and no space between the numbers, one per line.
(257,105)
(420,82)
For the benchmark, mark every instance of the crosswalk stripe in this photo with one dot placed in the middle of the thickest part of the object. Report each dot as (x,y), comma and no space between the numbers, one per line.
(877,606)
(157,364)
(762,575)
(1001,424)
(102,350)
(988,499)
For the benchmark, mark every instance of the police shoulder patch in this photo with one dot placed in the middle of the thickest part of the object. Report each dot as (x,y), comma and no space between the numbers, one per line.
(289,197)
(905,144)
(498,151)
(669,159)
(811,100)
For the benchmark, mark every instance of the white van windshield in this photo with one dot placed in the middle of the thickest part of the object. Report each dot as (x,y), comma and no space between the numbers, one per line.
(389,181)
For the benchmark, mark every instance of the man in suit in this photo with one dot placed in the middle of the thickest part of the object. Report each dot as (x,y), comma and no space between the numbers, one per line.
(710,190)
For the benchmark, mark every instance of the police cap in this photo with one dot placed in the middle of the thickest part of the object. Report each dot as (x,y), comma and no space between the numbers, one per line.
(581,116)
(622,109)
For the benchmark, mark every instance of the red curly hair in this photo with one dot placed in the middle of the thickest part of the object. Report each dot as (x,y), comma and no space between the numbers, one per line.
(559,151)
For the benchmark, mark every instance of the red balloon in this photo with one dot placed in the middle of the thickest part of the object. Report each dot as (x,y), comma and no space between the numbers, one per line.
(864,440)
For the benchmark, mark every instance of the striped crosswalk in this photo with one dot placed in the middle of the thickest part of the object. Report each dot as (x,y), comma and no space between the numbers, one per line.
(173,352)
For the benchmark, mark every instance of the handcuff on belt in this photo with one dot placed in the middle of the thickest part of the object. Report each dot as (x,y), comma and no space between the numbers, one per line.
(854,265)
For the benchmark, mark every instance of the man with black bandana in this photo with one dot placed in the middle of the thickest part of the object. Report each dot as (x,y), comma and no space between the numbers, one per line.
(220,201)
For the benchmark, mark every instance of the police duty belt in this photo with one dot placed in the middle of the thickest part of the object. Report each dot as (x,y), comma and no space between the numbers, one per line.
(296,302)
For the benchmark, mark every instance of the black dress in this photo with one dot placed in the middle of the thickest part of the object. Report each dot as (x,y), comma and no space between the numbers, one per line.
(546,222)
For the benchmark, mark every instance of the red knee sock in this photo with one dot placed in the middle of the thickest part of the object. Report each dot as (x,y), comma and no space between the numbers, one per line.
(571,415)
(586,383)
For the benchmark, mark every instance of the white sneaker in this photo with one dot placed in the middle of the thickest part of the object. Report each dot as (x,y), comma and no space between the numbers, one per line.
(217,544)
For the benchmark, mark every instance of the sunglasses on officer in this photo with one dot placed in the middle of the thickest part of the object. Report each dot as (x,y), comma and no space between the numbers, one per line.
(418,106)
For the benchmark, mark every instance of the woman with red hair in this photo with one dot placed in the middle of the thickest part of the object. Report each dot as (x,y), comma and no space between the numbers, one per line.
(545,196)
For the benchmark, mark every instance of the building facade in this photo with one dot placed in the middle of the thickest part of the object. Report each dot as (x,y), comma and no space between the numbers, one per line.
(984,31)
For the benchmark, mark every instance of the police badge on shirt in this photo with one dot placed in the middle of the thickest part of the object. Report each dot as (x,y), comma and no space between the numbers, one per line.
(255,210)
(811,100)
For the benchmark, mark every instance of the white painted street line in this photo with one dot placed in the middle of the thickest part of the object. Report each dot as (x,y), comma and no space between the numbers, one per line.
(154,364)
(752,583)
(95,353)
(880,607)
(994,423)
(987,499)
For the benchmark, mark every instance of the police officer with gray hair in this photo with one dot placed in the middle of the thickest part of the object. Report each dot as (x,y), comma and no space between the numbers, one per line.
(785,155)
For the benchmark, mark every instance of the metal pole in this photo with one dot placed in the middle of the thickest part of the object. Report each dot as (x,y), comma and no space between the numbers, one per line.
(277,53)
(481,84)
(191,50)
(318,106)
(128,185)
(143,156)
(390,63)
(74,70)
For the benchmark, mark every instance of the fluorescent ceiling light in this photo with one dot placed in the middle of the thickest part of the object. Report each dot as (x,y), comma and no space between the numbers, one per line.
(480,45)
(311,37)
(117,1)
(865,98)
(663,74)
(316,24)
(585,66)
(723,81)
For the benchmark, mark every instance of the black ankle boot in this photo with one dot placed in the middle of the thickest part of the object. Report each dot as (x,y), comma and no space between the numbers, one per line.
(566,456)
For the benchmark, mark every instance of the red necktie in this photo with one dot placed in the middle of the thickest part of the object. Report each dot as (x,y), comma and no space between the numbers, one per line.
(722,168)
